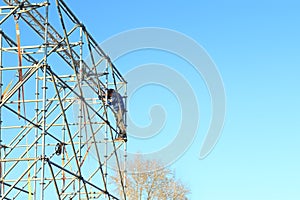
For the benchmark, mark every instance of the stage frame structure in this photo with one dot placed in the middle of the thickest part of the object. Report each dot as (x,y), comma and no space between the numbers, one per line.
(57,130)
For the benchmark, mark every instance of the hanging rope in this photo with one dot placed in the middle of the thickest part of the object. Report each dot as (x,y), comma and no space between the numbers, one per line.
(84,109)
(85,155)
(69,163)
(68,160)
(20,73)
(63,172)
(63,164)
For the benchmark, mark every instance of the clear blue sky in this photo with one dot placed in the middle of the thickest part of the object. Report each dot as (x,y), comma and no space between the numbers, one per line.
(255,46)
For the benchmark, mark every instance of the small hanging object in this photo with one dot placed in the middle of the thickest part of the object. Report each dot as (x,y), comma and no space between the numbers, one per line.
(58,148)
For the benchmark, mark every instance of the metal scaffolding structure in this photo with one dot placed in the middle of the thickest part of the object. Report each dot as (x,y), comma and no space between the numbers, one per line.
(56,130)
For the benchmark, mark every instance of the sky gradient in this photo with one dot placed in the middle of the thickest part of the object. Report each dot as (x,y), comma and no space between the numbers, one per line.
(255,46)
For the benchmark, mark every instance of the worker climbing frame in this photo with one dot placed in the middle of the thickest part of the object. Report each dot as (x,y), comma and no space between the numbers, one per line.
(57,129)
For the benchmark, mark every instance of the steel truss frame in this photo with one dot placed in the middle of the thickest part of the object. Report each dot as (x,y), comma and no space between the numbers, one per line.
(56,129)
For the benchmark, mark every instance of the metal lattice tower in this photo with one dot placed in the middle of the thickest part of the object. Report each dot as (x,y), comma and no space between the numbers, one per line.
(56,129)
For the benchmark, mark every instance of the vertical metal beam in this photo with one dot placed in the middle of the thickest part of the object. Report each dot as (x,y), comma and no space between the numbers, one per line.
(44,90)
(36,130)
(125,145)
(80,106)
(106,126)
(1,85)
(64,149)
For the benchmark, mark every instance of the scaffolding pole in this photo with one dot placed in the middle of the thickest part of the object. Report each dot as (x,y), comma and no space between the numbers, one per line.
(65,131)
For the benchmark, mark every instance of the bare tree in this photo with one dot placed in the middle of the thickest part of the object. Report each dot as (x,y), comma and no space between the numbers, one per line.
(150,180)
